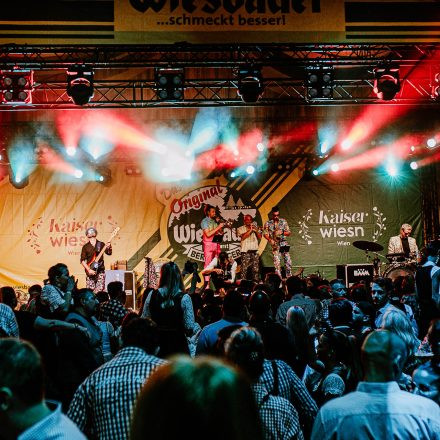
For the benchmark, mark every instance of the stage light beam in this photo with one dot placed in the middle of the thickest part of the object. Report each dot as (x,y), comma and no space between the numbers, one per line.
(431,143)
(413,165)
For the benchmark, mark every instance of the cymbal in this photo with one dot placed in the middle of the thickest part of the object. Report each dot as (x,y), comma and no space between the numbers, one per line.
(368,246)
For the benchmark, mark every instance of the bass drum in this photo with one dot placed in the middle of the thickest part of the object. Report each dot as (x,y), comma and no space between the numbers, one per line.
(399,270)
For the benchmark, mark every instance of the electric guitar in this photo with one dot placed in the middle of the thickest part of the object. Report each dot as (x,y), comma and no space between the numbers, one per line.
(95,261)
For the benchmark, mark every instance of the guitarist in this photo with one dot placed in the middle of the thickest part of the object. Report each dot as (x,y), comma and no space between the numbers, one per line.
(276,232)
(95,279)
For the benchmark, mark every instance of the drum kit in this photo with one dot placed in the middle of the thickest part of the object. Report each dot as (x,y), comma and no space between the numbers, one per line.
(397,264)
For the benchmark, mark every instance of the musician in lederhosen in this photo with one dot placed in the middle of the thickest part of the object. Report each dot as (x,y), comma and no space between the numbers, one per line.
(95,278)
(276,232)
(249,235)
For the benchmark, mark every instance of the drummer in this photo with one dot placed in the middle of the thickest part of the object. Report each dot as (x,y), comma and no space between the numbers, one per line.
(403,243)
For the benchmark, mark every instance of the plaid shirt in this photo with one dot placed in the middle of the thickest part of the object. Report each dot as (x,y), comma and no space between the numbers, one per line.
(291,388)
(102,405)
(278,417)
(8,322)
(112,311)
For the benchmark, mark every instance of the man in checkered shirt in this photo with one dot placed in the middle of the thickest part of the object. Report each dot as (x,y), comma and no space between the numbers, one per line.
(113,310)
(103,404)
(8,322)
(278,416)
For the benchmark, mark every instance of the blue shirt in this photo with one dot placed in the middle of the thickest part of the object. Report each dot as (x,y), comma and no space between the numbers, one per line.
(55,426)
(208,335)
(378,410)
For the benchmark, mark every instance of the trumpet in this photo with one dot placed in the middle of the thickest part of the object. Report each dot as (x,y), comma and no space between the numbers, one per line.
(227,223)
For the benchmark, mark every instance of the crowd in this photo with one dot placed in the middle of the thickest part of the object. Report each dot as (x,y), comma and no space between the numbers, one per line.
(284,359)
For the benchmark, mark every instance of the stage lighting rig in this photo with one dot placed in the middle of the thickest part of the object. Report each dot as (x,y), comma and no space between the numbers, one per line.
(386,82)
(250,84)
(319,82)
(18,181)
(104,176)
(170,84)
(80,83)
(16,86)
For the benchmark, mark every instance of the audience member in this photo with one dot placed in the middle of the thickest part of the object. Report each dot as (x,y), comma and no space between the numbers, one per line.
(277,341)
(384,299)
(378,409)
(198,399)
(103,404)
(279,418)
(334,351)
(302,340)
(113,310)
(296,287)
(233,312)
(24,414)
(171,308)
(56,296)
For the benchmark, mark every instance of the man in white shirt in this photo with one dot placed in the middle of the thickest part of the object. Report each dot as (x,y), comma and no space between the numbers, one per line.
(378,409)
(403,243)
(24,414)
(249,235)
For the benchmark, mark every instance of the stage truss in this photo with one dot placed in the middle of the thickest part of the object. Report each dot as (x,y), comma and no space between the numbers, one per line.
(124,75)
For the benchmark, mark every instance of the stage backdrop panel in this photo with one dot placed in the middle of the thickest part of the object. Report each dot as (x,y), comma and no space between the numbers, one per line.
(45,222)
(328,214)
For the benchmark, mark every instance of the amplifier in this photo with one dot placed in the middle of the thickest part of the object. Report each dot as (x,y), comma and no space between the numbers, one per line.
(355,273)
(128,279)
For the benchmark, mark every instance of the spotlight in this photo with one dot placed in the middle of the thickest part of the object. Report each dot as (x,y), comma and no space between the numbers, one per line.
(391,169)
(413,165)
(17,180)
(103,176)
(80,83)
(169,84)
(335,167)
(250,169)
(250,84)
(346,144)
(16,86)
(315,172)
(431,143)
(260,146)
(319,82)
(386,82)
(71,151)
(233,175)
(324,148)
(78,174)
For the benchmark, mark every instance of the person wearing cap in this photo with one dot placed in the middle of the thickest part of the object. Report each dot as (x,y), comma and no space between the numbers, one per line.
(378,408)
(95,278)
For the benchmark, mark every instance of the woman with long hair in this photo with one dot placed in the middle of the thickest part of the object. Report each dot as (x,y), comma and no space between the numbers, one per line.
(335,356)
(302,340)
(171,308)
(197,399)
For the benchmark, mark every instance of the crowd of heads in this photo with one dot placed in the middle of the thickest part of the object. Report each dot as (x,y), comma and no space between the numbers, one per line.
(319,328)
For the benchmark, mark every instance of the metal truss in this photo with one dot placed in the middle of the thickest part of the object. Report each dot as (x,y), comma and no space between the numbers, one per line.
(188,55)
(220,92)
(210,72)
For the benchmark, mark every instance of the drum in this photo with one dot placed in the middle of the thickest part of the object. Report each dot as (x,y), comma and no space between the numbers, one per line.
(399,270)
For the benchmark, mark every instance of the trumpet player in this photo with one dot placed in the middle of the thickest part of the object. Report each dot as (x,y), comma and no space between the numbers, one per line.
(276,232)
(249,235)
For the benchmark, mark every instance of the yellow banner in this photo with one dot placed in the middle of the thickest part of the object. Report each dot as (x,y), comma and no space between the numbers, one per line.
(45,222)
